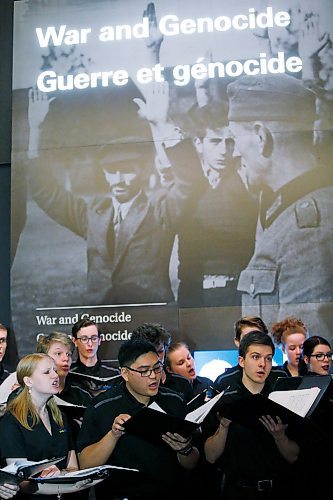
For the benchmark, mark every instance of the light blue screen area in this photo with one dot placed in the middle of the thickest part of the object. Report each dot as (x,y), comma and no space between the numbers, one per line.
(212,363)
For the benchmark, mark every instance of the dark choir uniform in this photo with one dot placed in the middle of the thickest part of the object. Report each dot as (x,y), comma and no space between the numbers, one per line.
(73,393)
(200,384)
(102,369)
(3,373)
(179,384)
(251,460)
(205,478)
(38,444)
(160,475)
(76,395)
(285,368)
(316,453)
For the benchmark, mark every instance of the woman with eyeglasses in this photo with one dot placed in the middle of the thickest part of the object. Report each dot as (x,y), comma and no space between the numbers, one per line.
(317,455)
(317,355)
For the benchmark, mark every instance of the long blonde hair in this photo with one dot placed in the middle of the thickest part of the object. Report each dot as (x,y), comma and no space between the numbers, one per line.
(22,406)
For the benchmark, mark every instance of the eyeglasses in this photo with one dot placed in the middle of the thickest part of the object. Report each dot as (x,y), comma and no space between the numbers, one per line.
(85,340)
(3,341)
(147,373)
(321,356)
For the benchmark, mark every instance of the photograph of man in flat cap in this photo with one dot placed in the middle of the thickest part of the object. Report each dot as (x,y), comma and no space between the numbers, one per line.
(271,117)
(129,234)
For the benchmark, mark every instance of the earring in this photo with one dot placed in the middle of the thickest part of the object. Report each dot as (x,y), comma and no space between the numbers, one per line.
(29,390)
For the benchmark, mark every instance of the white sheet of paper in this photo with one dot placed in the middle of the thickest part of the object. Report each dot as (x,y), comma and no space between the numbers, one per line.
(299,401)
(6,387)
(198,415)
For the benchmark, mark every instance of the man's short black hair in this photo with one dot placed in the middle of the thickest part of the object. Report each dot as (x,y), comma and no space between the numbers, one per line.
(131,350)
(255,338)
(152,332)
(82,324)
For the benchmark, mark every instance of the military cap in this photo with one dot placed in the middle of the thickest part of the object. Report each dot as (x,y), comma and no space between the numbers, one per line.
(277,97)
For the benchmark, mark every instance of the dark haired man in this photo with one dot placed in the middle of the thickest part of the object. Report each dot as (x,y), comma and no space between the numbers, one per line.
(86,337)
(103,438)
(218,240)
(255,460)
(232,376)
(245,324)
(161,338)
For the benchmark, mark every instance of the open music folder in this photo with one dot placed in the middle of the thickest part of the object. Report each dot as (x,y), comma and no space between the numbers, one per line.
(21,470)
(296,407)
(92,473)
(151,421)
(323,384)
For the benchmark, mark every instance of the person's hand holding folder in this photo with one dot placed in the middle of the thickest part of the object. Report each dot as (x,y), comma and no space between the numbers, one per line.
(187,454)
(288,448)
(8,490)
(50,471)
(275,427)
(117,428)
(177,442)
(224,422)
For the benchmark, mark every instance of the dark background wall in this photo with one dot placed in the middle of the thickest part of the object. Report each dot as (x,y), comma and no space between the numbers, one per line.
(6,14)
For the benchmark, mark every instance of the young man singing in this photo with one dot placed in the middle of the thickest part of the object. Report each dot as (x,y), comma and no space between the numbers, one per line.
(103,439)
(255,460)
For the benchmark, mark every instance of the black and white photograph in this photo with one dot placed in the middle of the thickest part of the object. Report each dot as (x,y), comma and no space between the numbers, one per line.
(172,162)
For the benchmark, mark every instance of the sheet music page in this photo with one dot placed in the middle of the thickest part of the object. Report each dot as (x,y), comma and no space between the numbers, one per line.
(299,401)
(154,406)
(200,413)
